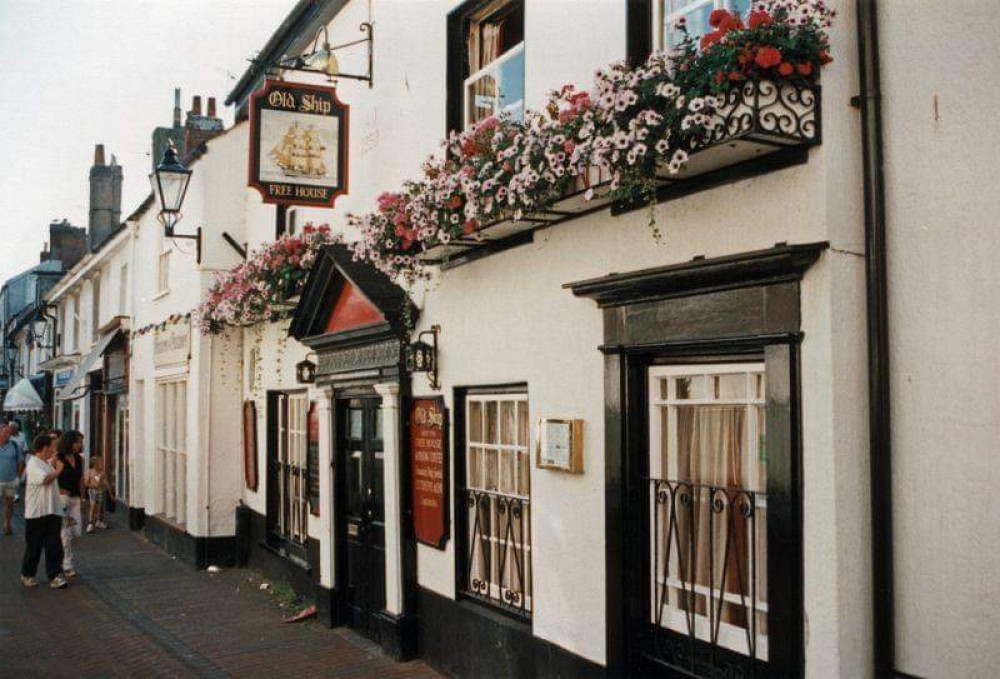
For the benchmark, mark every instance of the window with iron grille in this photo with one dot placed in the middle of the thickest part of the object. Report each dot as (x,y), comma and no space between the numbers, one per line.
(708,504)
(496,535)
(288,473)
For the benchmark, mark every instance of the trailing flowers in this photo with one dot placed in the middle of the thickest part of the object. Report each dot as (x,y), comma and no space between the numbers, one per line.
(634,123)
(258,290)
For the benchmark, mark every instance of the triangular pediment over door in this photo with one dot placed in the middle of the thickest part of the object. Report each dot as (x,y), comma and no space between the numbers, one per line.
(346,303)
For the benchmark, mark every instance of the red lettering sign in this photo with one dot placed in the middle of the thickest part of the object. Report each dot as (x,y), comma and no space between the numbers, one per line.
(429,470)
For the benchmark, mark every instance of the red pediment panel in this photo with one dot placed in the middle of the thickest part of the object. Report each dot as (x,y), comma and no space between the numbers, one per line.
(352,310)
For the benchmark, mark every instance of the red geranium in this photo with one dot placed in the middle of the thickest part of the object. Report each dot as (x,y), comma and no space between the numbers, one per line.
(806,68)
(716,18)
(786,69)
(767,57)
(759,17)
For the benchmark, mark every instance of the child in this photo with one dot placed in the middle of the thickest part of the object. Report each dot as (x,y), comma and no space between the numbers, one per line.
(97,485)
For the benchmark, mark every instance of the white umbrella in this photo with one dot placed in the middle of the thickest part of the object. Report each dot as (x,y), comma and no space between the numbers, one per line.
(22,396)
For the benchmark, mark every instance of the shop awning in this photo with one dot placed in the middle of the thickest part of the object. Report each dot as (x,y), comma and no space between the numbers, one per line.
(75,387)
(22,396)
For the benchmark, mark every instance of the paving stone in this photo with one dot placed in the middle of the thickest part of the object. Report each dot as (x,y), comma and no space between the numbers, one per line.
(135,612)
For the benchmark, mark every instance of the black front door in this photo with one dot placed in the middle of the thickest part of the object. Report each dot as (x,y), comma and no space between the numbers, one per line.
(361,562)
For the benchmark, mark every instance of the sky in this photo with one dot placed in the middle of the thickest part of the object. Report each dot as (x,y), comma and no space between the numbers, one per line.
(82,72)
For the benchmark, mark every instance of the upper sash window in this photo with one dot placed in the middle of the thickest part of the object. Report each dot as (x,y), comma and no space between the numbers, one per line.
(695,13)
(493,78)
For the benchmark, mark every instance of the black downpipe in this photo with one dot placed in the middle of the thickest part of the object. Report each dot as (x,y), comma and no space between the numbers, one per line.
(880,442)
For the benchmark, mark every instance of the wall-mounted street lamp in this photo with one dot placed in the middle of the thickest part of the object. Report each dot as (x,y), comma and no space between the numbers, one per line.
(170,183)
(321,57)
(421,356)
(305,371)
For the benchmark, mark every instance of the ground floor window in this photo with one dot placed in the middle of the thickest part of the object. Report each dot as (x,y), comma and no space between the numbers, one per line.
(497,499)
(171,449)
(288,475)
(708,504)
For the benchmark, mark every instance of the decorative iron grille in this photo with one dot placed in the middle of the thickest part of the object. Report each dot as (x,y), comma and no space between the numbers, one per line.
(498,564)
(708,578)
(768,112)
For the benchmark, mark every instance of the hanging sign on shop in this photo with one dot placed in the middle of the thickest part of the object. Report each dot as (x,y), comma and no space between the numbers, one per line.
(298,144)
(429,470)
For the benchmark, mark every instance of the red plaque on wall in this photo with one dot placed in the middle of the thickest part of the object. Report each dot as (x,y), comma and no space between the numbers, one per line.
(429,470)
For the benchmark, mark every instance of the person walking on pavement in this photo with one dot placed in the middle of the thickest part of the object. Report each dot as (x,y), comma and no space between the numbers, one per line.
(11,466)
(43,515)
(70,492)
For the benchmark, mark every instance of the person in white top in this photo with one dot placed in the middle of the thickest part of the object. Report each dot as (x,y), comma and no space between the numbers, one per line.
(43,515)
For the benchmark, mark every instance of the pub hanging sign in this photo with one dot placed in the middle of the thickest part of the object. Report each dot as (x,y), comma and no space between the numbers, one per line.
(429,470)
(298,144)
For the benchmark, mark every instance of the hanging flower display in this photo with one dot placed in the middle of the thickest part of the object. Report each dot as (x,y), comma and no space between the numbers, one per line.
(633,123)
(258,290)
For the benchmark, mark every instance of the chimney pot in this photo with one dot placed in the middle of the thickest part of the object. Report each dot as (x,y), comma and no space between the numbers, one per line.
(196,105)
(211,107)
(99,154)
(177,107)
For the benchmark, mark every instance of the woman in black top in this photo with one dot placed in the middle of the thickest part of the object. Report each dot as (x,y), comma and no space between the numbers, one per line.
(70,489)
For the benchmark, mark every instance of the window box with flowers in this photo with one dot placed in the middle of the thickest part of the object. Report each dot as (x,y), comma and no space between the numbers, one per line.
(741,91)
(263,288)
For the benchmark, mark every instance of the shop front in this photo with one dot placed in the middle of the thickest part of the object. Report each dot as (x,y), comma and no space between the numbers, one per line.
(115,418)
(703,457)
(354,318)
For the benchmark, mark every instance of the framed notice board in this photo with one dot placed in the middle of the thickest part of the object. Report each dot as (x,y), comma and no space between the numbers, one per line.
(429,470)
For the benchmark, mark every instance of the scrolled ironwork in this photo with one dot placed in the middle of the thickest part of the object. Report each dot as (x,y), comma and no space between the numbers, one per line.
(498,564)
(697,590)
(767,111)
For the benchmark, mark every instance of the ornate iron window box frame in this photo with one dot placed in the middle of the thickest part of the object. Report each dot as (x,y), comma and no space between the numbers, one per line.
(760,120)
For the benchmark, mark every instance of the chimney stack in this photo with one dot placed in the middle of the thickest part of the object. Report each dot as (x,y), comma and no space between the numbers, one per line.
(105,199)
(177,107)
(199,128)
(162,136)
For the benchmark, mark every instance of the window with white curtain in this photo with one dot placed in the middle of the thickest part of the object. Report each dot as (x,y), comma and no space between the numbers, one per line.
(171,450)
(494,75)
(498,500)
(708,503)
(695,14)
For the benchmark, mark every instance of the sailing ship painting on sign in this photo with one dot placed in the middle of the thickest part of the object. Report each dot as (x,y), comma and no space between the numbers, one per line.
(298,144)
(305,153)
(300,152)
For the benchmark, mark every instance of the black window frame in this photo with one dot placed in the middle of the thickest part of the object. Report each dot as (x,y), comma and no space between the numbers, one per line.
(457,69)
(284,544)
(460,512)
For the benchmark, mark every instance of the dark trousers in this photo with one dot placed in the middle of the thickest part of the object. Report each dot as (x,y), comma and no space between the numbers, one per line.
(43,533)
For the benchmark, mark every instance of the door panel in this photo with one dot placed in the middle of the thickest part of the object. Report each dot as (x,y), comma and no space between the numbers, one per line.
(362,528)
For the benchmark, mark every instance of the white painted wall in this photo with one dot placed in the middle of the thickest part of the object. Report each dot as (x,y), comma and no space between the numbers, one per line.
(507,318)
(100,271)
(213,394)
(940,99)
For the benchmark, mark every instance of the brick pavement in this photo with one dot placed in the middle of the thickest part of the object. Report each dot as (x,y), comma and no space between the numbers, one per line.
(135,612)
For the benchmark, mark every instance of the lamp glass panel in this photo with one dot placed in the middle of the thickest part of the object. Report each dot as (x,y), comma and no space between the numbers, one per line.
(171,187)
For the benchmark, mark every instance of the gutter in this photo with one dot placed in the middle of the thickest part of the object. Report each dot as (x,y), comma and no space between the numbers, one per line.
(879,404)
